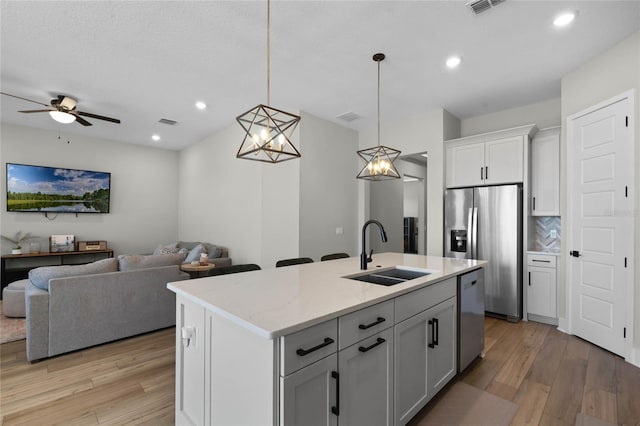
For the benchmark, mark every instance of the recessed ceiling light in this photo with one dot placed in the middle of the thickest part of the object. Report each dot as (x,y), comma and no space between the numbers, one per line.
(564,19)
(201,105)
(155,137)
(453,61)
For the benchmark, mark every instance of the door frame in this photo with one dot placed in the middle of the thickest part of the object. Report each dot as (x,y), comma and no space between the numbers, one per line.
(566,323)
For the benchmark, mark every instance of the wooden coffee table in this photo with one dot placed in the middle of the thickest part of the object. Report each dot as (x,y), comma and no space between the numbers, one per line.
(196,271)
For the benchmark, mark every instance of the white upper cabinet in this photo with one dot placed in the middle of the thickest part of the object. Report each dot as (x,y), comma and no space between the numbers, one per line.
(545,173)
(488,159)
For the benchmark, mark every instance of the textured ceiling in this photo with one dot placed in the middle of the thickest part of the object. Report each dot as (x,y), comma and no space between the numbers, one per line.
(141,61)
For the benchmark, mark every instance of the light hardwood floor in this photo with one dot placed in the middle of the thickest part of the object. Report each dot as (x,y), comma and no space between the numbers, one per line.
(551,376)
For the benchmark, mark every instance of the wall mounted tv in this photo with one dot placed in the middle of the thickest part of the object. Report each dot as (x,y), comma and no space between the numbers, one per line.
(56,190)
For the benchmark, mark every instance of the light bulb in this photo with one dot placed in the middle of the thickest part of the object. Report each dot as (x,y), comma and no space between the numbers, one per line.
(62,117)
(264,134)
(281,139)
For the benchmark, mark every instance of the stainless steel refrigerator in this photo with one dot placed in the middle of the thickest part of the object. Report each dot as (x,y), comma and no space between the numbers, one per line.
(486,223)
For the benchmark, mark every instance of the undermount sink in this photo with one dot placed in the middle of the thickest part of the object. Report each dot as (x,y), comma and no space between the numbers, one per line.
(391,276)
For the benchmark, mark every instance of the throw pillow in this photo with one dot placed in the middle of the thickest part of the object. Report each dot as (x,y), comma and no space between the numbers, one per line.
(138,261)
(195,253)
(214,251)
(40,277)
(166,249)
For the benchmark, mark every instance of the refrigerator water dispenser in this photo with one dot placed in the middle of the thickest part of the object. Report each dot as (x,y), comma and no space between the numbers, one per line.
(459,240)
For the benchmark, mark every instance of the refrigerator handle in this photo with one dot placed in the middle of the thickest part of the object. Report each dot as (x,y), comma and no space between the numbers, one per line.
(474,233)
(470,239)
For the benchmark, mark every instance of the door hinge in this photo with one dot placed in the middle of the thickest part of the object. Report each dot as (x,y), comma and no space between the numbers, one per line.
(624,332)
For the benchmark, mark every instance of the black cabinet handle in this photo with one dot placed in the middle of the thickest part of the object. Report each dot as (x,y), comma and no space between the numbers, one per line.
(529,278)
(378,342)
(542,261)
(336,408)
(481,173)
(534,203)
(327,342)
(486,172)
(433,334)
(379,320)
(437,325)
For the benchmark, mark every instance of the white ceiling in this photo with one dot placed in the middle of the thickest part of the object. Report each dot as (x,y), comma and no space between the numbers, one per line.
(141,61)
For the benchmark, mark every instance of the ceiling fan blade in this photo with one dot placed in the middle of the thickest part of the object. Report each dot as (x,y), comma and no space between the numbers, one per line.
(82,120)
(38,110)
(99,117)
(24,99)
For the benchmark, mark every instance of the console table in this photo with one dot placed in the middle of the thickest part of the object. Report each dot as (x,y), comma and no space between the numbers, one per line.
(17,266)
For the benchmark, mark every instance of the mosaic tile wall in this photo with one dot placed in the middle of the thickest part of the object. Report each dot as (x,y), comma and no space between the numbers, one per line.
(540,233)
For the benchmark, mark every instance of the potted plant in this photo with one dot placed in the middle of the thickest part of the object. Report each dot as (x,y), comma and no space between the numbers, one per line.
(17,240)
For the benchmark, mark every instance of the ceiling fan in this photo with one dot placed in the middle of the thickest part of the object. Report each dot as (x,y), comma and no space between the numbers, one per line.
(64,110)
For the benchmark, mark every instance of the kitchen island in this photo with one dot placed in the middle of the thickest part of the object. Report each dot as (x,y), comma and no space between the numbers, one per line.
(306,344)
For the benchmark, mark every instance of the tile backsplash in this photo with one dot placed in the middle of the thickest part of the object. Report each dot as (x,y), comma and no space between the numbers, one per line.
(540,231)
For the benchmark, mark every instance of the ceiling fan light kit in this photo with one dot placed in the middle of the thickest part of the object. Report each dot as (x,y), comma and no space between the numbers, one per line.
(268,131)
(62,117)
(64,110)
(378,160)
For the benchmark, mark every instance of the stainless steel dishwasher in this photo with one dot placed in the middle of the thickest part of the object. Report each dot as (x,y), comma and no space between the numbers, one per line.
(470,317)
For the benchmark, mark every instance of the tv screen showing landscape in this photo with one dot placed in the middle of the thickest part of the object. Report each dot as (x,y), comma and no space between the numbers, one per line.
(54,189)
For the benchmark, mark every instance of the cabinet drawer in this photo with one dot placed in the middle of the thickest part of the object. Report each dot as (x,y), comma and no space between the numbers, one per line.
(417,301)
(364,323)
(541,260)
(308,346)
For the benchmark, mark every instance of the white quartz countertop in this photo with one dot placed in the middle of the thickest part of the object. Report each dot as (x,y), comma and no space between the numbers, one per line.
(278,301)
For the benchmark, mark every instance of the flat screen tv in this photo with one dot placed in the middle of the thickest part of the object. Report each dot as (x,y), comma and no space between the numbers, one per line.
(54,189)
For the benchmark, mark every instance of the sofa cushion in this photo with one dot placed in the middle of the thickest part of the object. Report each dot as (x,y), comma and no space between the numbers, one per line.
(138,261)
(194,254)
(40,277)
(166,249)
(212,250)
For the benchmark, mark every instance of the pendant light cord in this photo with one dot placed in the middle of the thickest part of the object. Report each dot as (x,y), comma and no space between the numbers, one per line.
(378,103)
(268,52)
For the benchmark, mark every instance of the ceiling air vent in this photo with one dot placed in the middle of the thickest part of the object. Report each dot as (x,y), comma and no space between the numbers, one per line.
(167,121)
(348,116)
(479,6)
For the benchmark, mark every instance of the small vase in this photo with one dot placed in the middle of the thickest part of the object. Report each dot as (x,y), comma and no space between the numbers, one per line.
(16,251)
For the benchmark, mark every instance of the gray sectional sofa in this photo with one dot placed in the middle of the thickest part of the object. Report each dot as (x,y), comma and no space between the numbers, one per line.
(74,307)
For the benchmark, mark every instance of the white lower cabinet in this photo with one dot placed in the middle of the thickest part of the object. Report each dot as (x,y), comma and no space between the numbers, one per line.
(190,362)
(366,381)
(425,358)
(376,366)
(309,396)
(542,288)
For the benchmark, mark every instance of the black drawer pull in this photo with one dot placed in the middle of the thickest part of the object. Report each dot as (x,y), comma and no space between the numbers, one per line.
(435,340)
(543,261)
(336,408)
(327,342)
(379,320)
(433,334)
(378,342)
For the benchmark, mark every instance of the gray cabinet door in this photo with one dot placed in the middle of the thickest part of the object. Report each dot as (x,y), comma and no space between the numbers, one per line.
(442,356)
(366,381)
(410,367)
(308,395)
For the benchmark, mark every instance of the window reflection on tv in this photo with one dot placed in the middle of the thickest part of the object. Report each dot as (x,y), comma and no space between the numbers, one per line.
(53,189)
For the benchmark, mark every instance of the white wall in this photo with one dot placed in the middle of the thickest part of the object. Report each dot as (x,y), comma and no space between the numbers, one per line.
(422,132)
(608,74)
(544,114)
(328,188)
(144,189)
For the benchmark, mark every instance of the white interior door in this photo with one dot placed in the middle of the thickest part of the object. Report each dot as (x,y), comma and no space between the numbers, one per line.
(600,155)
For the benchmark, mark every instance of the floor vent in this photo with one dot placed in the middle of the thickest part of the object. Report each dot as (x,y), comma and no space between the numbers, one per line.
(167,121)
(479,6)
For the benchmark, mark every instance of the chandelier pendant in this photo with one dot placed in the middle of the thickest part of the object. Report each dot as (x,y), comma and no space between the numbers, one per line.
(268,130)
(378,160)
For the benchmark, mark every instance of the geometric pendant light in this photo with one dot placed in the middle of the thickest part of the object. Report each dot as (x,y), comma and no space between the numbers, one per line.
(268,130)
(378,160)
